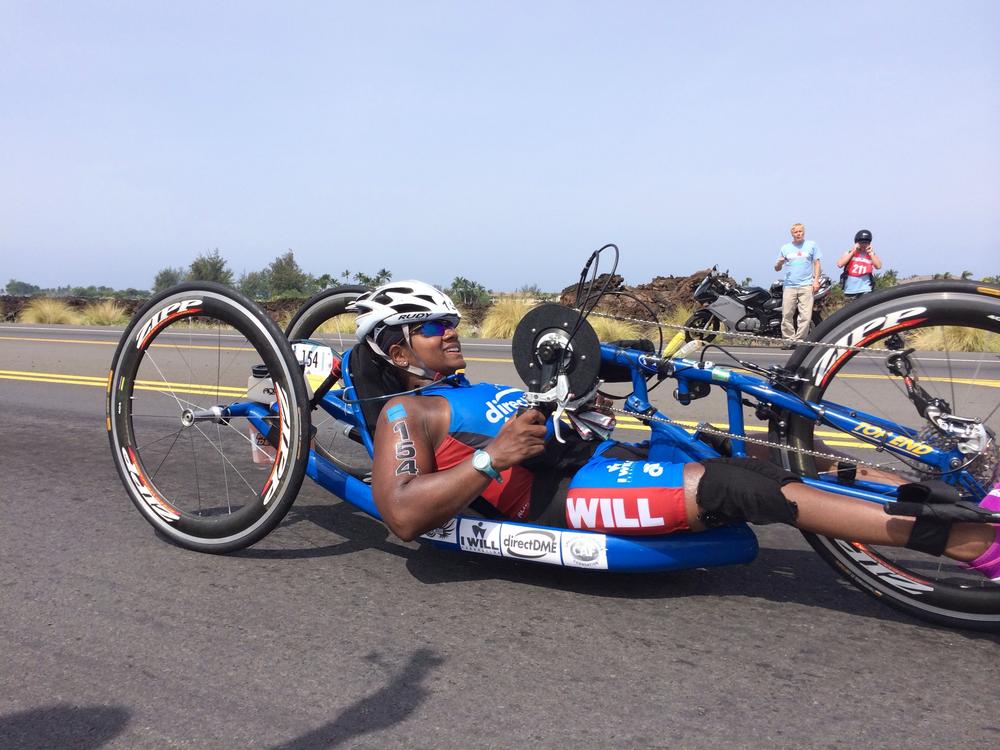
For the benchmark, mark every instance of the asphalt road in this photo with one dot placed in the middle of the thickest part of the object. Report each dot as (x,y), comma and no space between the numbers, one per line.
(332,633)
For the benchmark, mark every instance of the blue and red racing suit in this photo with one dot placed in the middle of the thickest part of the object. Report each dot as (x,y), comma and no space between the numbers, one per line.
(605,486)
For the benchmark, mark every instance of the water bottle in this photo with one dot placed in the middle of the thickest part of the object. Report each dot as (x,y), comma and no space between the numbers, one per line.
(260,388)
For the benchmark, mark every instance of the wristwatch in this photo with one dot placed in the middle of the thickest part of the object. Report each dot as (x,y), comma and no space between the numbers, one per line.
(482,463)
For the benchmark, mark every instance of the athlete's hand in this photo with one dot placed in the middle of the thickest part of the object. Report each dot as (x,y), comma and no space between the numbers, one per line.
(522,437)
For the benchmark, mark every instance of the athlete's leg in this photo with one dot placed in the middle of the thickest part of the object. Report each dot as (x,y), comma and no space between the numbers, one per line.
(626,495)
(844,517)
(827,467)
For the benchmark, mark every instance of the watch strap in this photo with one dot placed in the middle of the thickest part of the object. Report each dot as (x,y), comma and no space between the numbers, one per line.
(485,465)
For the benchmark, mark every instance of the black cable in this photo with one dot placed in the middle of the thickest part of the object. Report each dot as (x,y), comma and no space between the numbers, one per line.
(582,299)
(750,366)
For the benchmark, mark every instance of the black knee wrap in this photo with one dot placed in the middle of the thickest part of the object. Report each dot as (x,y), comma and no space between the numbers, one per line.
(930,531)
(744,489)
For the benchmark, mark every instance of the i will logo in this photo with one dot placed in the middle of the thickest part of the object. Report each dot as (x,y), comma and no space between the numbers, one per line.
(482,537)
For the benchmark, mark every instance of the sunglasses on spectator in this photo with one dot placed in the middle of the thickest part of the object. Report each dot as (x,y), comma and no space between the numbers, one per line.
(434,327)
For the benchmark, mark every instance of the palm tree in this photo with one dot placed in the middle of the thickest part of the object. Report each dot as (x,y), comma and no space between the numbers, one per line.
(886,279)
(966,274)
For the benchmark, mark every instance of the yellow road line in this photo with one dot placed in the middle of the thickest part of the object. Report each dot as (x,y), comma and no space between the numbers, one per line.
(115,343)
(140,385)
(985,382)
(192,346)
(58,341)
(624,423)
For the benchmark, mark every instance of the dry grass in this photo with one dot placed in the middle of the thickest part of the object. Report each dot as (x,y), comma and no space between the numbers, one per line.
(678,316)
(339,324)
(282,320)
(613,330)
(466,328)
(200,325)
(105,313)
(954,339)
(503,317)
(46,310)
(608,329)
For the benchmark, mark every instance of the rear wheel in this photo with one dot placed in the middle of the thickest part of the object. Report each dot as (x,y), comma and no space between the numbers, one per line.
(324,318)
(954,330)
(197,473)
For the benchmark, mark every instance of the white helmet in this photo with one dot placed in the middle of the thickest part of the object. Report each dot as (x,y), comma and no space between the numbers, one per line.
(399,303)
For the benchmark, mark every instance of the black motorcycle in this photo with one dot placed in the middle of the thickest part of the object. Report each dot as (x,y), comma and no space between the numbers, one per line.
(729,307)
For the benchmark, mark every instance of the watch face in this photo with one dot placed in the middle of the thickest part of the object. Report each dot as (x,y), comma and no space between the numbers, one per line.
(480,460)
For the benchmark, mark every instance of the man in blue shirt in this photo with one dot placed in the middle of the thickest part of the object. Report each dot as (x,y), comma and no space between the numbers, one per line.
(800,259)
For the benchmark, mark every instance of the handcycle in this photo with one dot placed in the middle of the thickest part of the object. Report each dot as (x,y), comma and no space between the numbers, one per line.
(214,462)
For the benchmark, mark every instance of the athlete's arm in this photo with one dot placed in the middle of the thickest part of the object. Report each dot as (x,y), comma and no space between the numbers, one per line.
(411,496)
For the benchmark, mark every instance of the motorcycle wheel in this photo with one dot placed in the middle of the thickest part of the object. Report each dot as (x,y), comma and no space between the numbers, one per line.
(707,322)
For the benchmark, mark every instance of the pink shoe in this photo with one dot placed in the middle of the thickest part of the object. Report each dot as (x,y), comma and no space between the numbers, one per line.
(988,563)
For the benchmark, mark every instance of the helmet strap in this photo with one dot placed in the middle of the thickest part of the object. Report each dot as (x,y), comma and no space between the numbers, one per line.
(421,371)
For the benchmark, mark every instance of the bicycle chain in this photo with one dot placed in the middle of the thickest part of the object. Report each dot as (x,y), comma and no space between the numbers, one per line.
(732,334)
(732,436)
(746,438)
(702,429)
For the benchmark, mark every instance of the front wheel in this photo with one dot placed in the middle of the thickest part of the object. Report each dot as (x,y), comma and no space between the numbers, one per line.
(709,325)
(182,438)
(948,335)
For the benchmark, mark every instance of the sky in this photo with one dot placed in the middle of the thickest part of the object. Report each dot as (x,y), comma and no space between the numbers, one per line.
(499,141)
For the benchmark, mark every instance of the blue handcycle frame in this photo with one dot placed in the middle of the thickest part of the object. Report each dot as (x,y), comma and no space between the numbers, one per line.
(667,443)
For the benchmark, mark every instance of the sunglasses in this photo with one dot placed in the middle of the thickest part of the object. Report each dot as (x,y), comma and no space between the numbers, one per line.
(434,327)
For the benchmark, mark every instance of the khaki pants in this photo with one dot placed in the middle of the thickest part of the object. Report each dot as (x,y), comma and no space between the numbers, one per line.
(792,298)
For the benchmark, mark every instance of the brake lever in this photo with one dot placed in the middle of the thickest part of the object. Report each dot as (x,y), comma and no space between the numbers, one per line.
(554,400)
